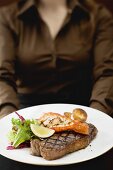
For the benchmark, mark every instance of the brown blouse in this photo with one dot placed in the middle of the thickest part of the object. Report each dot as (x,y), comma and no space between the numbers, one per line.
(78,63)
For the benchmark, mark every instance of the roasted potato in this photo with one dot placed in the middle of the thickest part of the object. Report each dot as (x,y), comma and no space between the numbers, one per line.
(79,114)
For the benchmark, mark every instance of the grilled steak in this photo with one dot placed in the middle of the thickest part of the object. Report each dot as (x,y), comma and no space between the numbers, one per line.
(62,143)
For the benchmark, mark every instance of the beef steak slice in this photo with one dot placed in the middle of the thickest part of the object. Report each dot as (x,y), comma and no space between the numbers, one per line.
(62,143)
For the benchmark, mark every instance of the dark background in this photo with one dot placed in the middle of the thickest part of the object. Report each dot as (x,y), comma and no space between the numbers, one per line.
(108,3)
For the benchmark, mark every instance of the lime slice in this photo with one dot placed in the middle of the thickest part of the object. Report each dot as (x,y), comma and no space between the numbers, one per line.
(41,131)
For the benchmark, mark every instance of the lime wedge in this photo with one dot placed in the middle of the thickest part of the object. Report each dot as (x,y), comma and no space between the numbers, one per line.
(41,131)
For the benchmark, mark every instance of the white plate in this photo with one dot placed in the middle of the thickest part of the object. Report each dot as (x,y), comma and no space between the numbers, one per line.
(101,144)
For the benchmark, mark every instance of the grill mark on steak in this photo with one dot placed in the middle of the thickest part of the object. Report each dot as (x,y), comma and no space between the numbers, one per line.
(55,141)
(62,143)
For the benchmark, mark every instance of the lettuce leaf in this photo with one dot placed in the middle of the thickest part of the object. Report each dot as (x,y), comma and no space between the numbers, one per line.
(11,136)
(22,135)
(21,131)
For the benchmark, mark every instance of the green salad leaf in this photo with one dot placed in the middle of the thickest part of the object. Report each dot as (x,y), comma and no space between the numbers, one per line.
(21,136)
(21,131)
(11,136)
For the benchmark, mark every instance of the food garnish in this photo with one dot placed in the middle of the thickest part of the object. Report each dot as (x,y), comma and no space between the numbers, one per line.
(41,131)
(20,132)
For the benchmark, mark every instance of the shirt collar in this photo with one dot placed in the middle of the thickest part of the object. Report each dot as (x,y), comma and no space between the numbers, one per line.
(26,5)
(77,3)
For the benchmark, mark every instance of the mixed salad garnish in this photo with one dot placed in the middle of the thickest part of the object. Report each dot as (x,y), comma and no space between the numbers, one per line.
(21,133)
